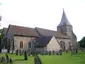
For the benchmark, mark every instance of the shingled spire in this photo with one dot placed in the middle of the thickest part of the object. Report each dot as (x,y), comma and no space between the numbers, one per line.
(64,20)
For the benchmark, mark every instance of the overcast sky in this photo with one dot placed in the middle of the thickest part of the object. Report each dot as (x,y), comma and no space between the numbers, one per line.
(43,13)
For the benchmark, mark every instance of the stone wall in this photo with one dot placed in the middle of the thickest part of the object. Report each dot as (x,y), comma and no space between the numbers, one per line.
(25,40)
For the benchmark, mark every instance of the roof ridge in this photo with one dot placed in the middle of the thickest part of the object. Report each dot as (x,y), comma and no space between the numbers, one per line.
(20,26)
(44,29)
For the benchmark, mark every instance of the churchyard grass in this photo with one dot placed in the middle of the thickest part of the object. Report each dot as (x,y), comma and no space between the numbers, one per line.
(50,59)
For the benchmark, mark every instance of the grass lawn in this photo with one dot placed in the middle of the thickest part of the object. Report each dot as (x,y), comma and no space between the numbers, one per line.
(53,59)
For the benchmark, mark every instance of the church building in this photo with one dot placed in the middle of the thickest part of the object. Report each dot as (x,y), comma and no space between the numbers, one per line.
(21,38)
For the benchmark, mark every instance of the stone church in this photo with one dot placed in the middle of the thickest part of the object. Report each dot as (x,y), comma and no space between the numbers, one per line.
(22,38)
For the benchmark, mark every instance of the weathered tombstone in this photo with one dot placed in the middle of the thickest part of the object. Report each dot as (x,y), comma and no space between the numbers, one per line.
(3,59)
(53,52)
(76,51)
(66,51)
(7,58)
(49,52)
(33,53)
(25,55)
(10,61)
(20,53)
(60,52)
(57,52)
(37,60)
(17,52)
(4,50)
(29,52)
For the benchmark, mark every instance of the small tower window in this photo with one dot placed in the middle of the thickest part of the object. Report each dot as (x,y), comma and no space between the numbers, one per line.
(21,44)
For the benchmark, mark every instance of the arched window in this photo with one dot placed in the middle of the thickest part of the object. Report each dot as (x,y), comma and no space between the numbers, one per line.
(21,44)
(62,44)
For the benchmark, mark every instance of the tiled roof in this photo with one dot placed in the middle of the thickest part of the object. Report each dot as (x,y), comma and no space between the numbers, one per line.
(23,31)
(46,32)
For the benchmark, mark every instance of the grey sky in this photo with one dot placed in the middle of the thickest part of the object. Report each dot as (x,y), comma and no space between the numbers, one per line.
(43,13)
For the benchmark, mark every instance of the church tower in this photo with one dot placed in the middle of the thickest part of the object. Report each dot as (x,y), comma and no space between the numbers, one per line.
(67,29)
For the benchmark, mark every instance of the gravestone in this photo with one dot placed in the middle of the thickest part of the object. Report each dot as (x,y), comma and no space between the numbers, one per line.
(49,52)
(3,59)
(7,58)
(20,53)
(60,52)
(37,60)
(17,52)
(76,51)
(33,53)
(57,52)
(4,50)
(29,52)
(10,61)
(66,51)
(53,52)
(25,55)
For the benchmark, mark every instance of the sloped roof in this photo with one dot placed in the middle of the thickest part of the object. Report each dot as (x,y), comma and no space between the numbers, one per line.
(43,41)
(5,30)
(23,31)
(46,32)
(64,20)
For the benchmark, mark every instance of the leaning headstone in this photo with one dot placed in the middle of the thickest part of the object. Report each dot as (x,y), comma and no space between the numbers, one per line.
(16,52)
(10,61)
(37,60)
(25,55)
(7,58)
